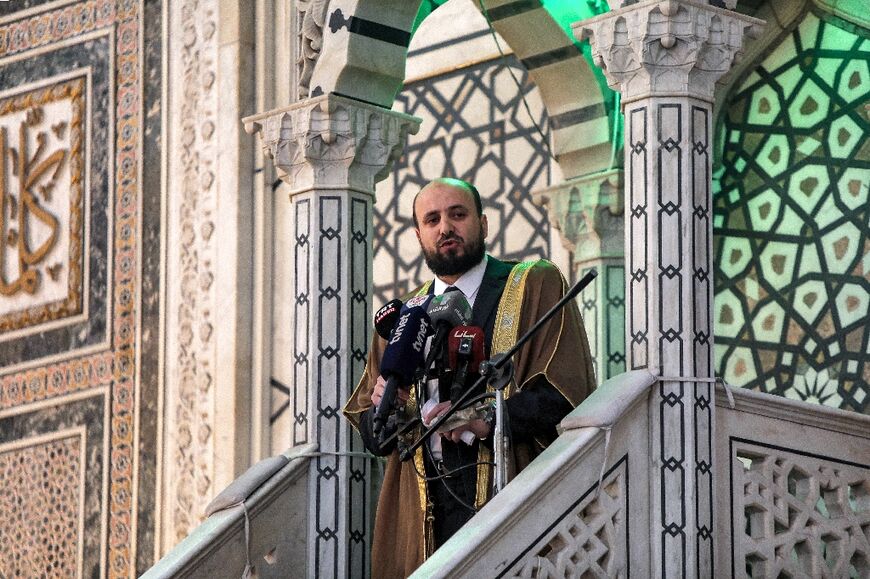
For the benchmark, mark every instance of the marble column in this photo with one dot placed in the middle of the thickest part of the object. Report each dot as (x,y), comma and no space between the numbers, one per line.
(665,57)
(332,150)
(587,212)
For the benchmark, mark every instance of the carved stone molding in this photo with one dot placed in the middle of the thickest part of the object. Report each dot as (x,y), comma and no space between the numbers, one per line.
(587,212)
(666,47)
(332,142)
(191,357)
(312,17)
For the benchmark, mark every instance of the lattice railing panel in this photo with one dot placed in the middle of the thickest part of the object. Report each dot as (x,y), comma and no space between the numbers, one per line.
(590,540)
(799,515)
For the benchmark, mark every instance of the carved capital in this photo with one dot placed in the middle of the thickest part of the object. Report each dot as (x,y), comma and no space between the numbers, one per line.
(588,213)
(666,47)
(332,142)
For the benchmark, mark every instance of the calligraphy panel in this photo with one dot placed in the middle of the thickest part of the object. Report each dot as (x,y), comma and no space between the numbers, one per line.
(41,203)
(73,79)
(56,183)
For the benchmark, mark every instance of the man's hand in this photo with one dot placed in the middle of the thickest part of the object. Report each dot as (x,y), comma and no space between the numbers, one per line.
(378,392)
(478,427)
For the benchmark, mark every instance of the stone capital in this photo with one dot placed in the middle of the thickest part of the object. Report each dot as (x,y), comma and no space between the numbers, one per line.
(332,142)
(588,213)
(666,47)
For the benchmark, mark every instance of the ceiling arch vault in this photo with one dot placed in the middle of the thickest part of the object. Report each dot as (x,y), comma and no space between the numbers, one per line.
(364,45)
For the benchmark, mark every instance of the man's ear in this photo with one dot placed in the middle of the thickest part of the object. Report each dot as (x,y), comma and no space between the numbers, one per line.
(485,225)
(417,233)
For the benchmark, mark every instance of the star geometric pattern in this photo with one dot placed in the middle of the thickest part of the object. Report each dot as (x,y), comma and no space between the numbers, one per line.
(791,221)
(802,516)
(589,540)
(475,127)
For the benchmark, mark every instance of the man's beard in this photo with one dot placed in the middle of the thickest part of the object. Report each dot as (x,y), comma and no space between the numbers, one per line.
(451,263)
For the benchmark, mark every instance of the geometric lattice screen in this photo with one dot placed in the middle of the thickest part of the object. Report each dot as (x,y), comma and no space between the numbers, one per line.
(475,127)
(791,221)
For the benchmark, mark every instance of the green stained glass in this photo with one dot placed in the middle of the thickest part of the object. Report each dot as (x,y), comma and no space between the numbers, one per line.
(791,220)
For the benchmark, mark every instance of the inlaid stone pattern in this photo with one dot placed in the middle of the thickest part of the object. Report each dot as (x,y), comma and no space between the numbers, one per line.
(40,509)
(41,204)
(590,540)
(71,89)
(799,515)
(791,212)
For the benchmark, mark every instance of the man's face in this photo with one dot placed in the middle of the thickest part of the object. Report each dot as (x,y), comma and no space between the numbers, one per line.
(449,229)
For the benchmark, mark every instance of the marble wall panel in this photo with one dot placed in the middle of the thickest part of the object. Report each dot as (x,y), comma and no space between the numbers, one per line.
(79,378)
(62,98)
(54,475)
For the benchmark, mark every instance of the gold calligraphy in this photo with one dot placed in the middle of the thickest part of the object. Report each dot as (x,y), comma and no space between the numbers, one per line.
(39,171)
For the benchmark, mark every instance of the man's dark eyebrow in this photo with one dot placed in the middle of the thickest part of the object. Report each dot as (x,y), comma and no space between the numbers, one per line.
(451,208)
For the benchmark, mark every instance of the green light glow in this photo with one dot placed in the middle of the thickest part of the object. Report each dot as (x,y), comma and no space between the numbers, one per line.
(564,13)
(791,307)
(427,7)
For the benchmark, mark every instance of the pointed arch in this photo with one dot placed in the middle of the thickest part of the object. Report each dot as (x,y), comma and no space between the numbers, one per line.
(365,45)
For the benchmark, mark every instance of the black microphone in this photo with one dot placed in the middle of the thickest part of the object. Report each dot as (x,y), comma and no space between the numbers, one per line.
(465,351)
(386,318)
(402,356)
(446,311)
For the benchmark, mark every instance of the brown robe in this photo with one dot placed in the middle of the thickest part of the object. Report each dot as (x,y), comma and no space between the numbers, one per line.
(559,351)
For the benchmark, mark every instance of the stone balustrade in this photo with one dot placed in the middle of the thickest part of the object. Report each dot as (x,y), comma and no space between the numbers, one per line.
(574,508)
(274,536)
(791,488)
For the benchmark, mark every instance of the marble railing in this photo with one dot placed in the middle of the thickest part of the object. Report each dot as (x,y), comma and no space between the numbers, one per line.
(792,498)
(567,514)
(792,488)
(792,494)
(261,520)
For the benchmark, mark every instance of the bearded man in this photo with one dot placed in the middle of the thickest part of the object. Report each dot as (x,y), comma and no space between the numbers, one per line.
(424,501)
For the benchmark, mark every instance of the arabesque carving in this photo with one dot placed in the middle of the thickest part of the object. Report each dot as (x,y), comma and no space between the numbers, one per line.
(666,47)
(332,142)
(312,16)
(590,542)
(193,453)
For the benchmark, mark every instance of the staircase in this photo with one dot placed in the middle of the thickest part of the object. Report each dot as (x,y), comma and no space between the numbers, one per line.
(791,499)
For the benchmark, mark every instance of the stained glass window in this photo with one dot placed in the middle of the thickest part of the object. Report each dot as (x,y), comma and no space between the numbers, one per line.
(791,221)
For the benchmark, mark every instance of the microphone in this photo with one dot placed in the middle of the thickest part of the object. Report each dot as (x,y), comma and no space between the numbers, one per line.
(402,356)
(386,318)
(418,302)
(446,311)
(465,346)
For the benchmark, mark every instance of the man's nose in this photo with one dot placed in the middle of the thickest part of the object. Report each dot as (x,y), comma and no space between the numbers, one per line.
(446,226)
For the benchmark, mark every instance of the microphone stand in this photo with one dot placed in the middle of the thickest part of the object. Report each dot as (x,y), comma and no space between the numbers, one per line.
(499,372)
